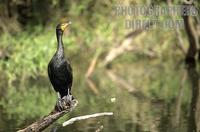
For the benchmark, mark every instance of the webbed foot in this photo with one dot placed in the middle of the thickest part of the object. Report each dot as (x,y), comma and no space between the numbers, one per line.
(64,103)
(59,106)
(66,100)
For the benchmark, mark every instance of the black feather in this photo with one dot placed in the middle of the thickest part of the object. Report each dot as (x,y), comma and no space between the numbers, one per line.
(59,69)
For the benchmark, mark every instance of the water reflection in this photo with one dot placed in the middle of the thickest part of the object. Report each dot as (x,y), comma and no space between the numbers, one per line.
(193,119)
(160,101)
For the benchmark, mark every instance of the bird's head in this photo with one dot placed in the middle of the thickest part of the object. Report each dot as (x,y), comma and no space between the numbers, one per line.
(62,26)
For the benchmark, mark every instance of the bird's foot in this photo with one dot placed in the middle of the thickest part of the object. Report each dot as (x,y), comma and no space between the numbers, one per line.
(67,101)
(59,106)
(64,103)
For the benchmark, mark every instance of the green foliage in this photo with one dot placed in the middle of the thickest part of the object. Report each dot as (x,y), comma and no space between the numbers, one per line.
(28,54)
(94,30)
(32,102)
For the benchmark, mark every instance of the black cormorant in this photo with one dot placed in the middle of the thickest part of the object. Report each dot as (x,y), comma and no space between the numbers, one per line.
(60,71)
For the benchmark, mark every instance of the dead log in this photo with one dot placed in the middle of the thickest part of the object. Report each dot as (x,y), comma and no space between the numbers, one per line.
(126,45)
(46,121)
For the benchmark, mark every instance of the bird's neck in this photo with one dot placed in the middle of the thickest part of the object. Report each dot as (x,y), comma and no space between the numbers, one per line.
(60,48)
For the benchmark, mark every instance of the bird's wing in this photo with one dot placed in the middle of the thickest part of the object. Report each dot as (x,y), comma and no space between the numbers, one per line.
(66,74)
(51,77)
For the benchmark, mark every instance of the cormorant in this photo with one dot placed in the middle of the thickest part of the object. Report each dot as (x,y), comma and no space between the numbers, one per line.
(60,71)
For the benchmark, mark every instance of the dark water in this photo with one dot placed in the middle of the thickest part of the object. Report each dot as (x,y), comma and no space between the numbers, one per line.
(144,96)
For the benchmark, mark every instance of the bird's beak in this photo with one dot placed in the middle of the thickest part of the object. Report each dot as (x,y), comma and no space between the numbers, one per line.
(66,25)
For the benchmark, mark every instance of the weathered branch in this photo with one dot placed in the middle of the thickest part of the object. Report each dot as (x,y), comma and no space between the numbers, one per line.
(72,120)
(99,129)
(46,121)
(193,74)
(125,45)
(93,63)
(92,86)
(178,33)
(179,99)
(121,81)
(192,37)
(136,92)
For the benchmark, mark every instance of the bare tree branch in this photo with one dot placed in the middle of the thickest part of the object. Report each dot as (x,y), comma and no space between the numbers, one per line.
(115,78)
(46,121)
(99,129)
(192,37)
(178,33)
(93,63)
(125,45)
(72,120)
(179,99)
(92,86)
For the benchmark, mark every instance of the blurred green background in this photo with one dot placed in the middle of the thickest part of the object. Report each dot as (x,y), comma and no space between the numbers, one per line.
(145,87)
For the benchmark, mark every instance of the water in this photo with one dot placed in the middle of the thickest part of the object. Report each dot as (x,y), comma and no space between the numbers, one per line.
(165,99)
